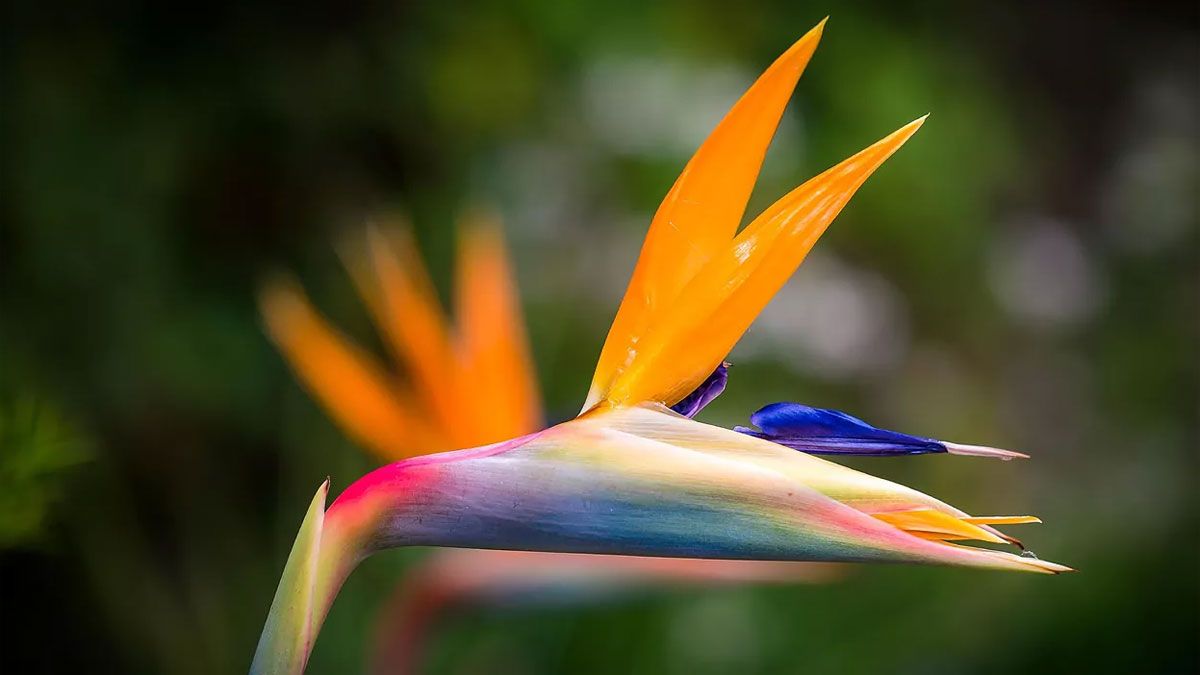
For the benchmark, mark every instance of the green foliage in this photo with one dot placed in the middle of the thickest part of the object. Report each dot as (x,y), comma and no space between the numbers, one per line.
(39,451)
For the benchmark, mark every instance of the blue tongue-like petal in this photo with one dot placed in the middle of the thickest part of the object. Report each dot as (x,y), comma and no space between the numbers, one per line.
(832,432)
(708,390)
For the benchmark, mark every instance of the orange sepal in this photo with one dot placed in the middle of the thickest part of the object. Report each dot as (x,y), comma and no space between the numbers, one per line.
(355,389)
(936,525)
(703,209)
(396,287)
(498,386)
(687,340)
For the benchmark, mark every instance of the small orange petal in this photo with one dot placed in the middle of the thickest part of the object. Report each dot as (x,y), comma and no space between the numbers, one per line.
(703,209)
(354,388)
(1002,520)
(930,524)
(499,388)
(397,289)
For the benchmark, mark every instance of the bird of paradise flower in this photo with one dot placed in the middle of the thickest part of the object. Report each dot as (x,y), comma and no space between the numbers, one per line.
(633,476)
(488,349)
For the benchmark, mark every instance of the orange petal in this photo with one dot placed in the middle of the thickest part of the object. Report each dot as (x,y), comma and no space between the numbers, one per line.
(930,524)
(352,386)
(703,209)
(396,287)
(1002,520)
(499,388)
(688,339)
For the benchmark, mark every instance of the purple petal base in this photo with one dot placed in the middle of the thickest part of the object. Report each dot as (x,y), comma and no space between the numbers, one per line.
(708,390)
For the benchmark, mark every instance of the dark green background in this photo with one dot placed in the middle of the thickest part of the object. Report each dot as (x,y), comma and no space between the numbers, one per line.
(1023,273)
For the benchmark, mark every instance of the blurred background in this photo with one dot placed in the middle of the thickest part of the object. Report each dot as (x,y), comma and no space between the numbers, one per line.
(1022,274)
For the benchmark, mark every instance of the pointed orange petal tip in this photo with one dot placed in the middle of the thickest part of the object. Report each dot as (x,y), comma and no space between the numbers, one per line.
(900,136)
(801,50)
(815,32)
(892,142)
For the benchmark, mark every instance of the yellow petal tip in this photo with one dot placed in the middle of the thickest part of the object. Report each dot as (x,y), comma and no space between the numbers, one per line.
(1002,520)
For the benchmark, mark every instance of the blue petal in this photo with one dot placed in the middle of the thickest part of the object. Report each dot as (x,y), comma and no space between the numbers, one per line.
(708,390)
(832,432)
